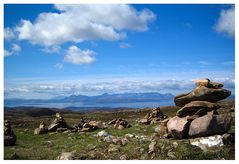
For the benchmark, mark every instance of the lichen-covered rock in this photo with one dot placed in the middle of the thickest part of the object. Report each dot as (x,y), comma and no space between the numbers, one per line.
(209,125)
(206,143)
(178,127)
(197,108)
(202,93)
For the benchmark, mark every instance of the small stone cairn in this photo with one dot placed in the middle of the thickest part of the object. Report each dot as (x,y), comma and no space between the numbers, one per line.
(154,116)
(198,115)
(41,129)
(58,124)
(9,136)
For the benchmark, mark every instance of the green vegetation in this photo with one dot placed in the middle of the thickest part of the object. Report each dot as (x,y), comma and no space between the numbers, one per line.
(88,146)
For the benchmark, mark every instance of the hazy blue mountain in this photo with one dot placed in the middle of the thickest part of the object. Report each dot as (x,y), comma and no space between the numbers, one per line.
(104,98)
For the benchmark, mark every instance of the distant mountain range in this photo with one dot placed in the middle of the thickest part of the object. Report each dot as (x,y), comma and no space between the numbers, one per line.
(104,98)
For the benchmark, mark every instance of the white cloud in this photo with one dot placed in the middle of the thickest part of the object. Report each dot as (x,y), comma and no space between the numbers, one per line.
(226,22)
(8,34)
(205,63)
(52,89)
(228,63)
(77,56)
(77,23)
(52,49)
(15,49)
(125,45)
(7,53)
(58,66)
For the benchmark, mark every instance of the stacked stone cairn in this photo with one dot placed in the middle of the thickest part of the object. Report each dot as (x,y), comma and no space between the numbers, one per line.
(154,116)
(58,124)
(198,116)
(119,123)
(9,136)
(87,126)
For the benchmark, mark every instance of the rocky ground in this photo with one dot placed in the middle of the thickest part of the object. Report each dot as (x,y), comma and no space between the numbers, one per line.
(136,142)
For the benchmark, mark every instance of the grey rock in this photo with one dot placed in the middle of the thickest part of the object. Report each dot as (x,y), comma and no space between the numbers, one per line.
(202,93)
(209,125)
(197,108)
(178,127)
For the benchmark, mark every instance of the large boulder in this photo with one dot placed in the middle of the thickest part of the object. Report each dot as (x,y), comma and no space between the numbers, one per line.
(9,136)
(202,93)
(209,125)
(197,108)
(178,127)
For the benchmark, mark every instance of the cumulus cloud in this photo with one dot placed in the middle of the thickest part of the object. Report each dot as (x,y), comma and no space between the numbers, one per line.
(52,49)
(125,45)
(226,22)
(7,53)
(77,56)
(15,49)
(8,34)
(78,23)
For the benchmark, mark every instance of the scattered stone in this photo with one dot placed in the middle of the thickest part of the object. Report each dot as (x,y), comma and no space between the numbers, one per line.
(175,145)
(79,125)
(102,134)
(178,127)
(123,157)
(9,136)
(112,122)
(41,129)
(152,147)
(124,141)
(227,139)
(206,143)
(98,124)
(210,125)
(202,93)
(154,137)
(129,136)
(67,156)
(108,139)
(113,148)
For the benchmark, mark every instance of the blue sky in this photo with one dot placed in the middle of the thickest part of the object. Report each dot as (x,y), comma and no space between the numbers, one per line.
(53,50)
